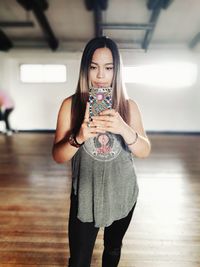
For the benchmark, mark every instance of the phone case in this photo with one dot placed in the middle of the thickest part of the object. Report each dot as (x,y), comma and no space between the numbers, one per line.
(99,99)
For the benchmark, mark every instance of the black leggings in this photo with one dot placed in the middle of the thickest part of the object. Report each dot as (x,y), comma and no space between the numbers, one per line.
(6,118)
(82,238)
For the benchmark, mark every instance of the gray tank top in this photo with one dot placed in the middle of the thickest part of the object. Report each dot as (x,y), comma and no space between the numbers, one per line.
(104,180)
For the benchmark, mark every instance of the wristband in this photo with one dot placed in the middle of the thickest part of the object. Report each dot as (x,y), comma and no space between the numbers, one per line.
(73,141)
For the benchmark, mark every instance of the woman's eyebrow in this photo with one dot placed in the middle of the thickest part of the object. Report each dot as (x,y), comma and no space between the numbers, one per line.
(111,63)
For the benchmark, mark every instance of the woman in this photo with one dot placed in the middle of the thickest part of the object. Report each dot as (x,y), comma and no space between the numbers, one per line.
(6,108)
(104,186)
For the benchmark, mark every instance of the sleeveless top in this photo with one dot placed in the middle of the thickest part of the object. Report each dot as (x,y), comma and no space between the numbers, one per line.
(104,180)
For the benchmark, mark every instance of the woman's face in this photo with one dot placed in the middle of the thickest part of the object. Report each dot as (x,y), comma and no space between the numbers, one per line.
(101,68)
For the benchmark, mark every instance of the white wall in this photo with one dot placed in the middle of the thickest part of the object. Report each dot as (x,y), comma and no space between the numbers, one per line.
(2,68)
(37,105)
(167,109)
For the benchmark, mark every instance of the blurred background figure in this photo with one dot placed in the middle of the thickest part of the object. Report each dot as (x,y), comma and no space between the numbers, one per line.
(6,107)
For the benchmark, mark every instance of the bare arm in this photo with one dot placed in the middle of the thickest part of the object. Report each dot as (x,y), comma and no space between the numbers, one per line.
(62,150)
(142,147)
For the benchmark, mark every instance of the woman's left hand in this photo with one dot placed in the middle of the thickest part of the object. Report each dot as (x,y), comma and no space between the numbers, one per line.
(110,120)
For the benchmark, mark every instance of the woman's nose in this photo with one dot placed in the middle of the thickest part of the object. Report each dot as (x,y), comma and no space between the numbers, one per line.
(100,73)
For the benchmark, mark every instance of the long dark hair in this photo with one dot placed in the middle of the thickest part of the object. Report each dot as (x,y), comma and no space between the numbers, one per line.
(120,102)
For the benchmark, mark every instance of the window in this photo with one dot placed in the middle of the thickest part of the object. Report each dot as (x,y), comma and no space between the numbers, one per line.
(165,75)
(43,73)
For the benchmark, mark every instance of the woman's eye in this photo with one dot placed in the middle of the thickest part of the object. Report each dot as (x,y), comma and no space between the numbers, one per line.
(109,68)
(92,67)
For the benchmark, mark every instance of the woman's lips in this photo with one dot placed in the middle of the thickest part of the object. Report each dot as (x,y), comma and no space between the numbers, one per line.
(101,85)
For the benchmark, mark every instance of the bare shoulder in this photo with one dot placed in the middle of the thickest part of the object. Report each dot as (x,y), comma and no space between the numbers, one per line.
(64,119)
(133,106)
(136,118)
(67,102)
(65,108)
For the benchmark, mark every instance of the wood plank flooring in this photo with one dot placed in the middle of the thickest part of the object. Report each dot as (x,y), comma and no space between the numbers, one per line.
(34,204)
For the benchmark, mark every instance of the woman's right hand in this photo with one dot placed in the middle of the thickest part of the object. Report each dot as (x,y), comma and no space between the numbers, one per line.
(88,128)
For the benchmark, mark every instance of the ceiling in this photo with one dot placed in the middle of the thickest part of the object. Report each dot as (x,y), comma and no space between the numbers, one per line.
(67,24)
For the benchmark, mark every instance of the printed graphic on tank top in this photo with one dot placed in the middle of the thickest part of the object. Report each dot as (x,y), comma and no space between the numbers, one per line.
(104,147)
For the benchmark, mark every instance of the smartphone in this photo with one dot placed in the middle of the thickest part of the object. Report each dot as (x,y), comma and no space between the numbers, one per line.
(99,100)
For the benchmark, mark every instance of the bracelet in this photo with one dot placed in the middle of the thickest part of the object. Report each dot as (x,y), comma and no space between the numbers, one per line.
(135,140)
(73,141)
(77,141)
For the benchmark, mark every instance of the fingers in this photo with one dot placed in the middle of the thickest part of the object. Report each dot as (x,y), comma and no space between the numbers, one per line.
(109,120)
(94,127)
(106,121)
(90,127)
(106,116)
(87,114)
(103,119)
(110,112)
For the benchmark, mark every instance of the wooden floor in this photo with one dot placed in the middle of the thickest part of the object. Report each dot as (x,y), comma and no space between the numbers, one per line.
(34,202)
